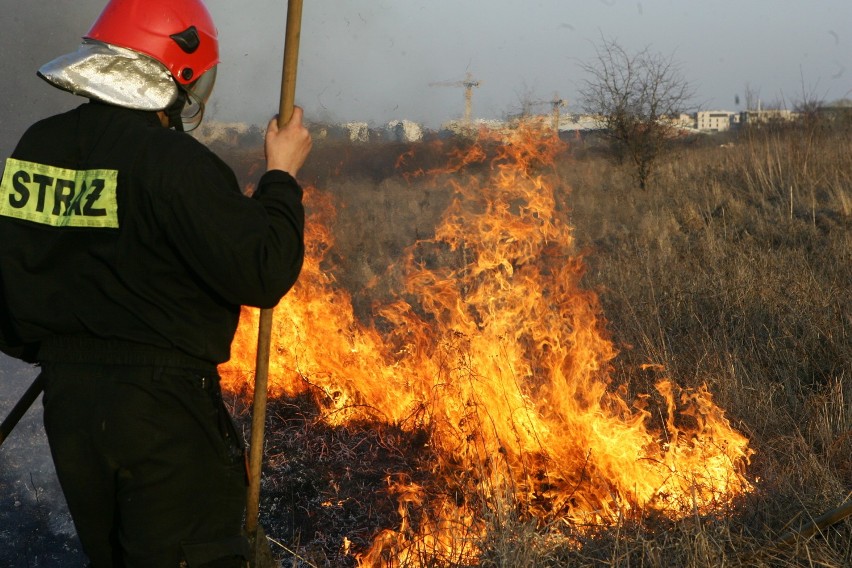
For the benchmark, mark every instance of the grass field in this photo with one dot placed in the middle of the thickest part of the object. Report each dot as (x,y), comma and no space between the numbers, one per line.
(733,270)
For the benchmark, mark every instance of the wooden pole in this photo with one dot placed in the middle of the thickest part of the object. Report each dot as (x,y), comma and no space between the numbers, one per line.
(812,527)
(264,330)
(804,532)
(291,62)
(21,407)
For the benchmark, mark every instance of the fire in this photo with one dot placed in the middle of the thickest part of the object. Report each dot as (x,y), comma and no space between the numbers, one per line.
(494,348)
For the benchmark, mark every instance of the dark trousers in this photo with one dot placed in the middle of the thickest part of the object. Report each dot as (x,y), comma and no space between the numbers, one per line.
(149,462)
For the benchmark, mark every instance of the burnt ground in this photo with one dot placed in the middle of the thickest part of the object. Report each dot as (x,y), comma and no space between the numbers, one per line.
(35,527)
(326,493)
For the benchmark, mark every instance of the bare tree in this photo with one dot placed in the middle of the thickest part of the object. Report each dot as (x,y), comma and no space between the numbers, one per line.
(638,97)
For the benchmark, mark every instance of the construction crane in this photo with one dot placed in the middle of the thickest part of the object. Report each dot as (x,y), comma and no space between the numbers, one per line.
(555,104)
(468,83)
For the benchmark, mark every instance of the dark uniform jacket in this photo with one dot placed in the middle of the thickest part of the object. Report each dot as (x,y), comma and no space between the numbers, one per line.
(114,227)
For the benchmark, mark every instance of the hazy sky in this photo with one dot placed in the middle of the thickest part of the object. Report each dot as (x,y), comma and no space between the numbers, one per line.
(373,60)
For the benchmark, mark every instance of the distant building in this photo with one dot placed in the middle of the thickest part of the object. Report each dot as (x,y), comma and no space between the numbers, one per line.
(358,131)
(470,129)
(837,111)
(716,120)
(578,122)
(229,133)
(761,116)
(685,120)
(404,131)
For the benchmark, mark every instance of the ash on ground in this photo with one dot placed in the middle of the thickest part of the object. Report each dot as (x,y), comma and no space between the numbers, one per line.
(35,526)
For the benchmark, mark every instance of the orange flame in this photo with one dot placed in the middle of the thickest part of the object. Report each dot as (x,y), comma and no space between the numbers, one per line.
(504,356)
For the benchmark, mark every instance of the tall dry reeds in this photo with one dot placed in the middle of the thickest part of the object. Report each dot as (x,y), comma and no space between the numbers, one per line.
(734,269)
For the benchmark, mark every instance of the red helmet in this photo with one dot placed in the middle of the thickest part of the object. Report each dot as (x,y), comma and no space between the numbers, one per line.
(178,33)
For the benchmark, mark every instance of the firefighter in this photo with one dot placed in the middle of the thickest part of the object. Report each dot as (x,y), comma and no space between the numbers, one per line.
(126,251)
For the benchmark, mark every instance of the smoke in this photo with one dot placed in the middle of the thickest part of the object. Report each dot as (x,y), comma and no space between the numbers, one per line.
(32,34)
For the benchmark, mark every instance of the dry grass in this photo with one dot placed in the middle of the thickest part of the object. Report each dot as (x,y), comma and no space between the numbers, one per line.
(733,269)
(716,273)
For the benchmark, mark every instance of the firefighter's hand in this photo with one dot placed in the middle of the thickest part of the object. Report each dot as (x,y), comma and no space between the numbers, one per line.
(287,148)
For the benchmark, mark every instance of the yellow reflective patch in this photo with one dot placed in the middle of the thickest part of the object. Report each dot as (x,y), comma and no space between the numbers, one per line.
(59,197)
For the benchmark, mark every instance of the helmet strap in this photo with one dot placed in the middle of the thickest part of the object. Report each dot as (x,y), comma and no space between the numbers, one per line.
(175,109)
